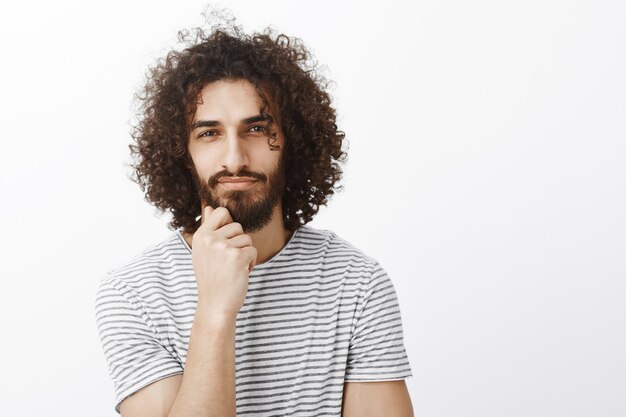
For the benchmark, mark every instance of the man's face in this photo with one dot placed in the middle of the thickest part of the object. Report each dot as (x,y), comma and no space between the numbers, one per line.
(227,143)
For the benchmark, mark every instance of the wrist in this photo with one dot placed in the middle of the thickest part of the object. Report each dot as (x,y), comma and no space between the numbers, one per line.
(210,315)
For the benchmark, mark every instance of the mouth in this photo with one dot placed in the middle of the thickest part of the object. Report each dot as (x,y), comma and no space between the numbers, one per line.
(237,179)
(237,183)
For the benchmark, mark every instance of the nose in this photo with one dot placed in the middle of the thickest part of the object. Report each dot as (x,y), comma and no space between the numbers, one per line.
(236,155)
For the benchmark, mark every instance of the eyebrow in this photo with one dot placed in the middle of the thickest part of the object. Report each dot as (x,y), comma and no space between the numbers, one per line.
(211,123)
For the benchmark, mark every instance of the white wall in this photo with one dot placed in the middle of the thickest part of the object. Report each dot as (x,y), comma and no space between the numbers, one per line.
(486,173)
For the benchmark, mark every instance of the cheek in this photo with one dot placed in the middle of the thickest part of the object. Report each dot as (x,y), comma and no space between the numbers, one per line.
(202,163)
(266,158)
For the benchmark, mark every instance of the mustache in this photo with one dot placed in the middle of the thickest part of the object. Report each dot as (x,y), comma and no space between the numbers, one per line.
(242,173)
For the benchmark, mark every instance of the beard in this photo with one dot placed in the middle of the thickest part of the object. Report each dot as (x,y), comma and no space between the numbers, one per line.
(252,208)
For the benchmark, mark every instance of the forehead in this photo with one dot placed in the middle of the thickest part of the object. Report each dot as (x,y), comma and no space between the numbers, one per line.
(225,99)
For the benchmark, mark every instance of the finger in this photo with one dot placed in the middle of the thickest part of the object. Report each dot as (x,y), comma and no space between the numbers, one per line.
(218,218)
(230,230)
(250,252)
(205,213)
(240,241)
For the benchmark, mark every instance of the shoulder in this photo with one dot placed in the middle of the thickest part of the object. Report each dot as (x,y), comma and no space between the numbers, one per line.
(151,266)
(337,249)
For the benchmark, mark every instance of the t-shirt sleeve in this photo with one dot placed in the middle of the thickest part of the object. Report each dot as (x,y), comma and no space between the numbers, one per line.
(136,356)
(376,351)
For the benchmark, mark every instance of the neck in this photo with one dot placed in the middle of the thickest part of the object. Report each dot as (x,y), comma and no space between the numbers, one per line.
(268,241)
(271,238)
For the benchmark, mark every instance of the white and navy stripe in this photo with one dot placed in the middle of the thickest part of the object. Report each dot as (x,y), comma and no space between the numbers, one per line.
(317,314)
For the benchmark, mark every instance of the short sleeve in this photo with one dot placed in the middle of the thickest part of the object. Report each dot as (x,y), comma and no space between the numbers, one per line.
(376,351)
(134,352)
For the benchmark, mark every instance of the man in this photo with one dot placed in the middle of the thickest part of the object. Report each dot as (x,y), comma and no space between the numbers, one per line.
(245,309)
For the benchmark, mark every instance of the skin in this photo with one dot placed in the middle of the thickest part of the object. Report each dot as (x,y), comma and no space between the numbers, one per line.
(207,386)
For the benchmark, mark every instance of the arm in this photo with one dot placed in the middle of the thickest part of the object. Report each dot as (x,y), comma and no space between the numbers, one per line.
(222,259)
(372,399)
(207,386)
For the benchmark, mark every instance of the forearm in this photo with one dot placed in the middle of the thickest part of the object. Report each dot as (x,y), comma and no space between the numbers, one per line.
(208,385)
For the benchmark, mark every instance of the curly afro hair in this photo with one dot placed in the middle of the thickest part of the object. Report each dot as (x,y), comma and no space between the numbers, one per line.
(277,64)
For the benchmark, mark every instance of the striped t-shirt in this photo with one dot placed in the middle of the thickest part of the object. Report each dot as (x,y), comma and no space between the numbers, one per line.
(317,314)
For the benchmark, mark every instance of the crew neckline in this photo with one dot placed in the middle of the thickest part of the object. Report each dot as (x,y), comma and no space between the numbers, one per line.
(277,255)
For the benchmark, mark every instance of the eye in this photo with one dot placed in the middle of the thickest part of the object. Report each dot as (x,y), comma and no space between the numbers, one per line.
(205,133)
(261,128)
